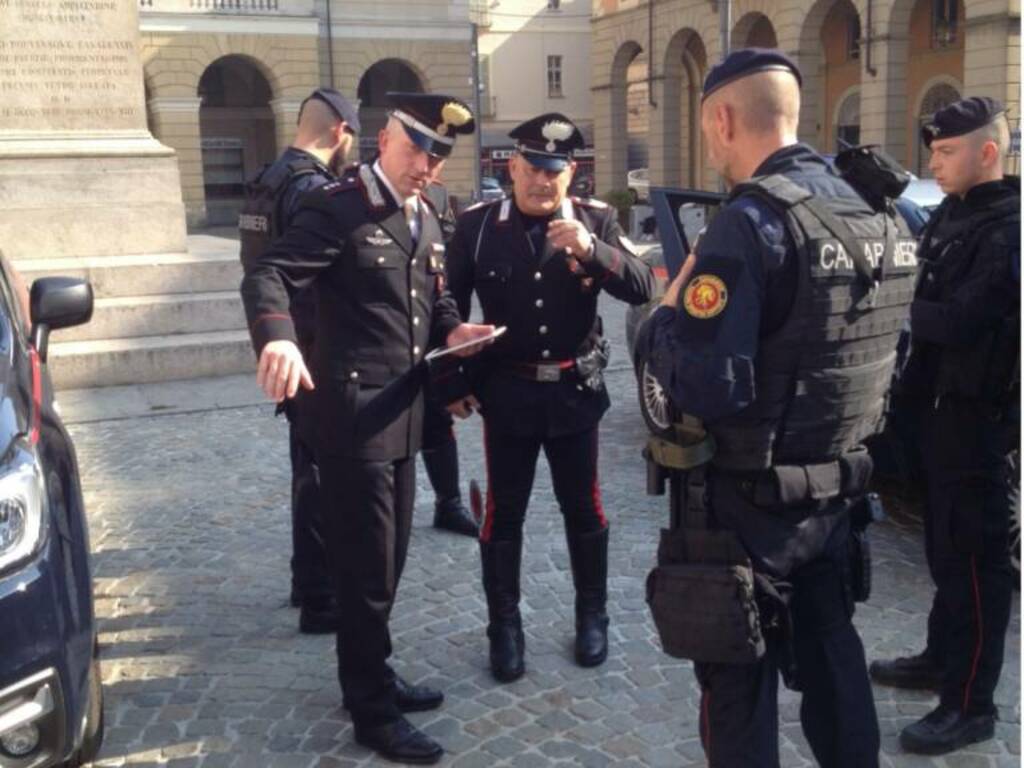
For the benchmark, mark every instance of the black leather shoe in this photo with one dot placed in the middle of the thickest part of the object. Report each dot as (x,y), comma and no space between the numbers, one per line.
(400,742)
(416,698)
(946,729)
(452,515)
(319,617)
(591,639)
(917,673)
(507,646)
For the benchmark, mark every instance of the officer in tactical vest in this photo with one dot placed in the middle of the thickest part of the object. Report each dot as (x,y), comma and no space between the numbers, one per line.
(328,123)
(779,333)
(371,247)
(964,371)
(538,261)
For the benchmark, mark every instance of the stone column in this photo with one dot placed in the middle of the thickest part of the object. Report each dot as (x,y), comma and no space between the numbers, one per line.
(174,121)
(883,97)
(992,58)
(607,161)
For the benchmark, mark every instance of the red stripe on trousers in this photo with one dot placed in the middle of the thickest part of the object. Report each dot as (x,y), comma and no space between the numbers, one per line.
(595,490)
(485,529)
(980,629)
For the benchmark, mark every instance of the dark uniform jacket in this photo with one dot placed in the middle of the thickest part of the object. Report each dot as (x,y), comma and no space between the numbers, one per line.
(963,375)
(381,305)
(548,301)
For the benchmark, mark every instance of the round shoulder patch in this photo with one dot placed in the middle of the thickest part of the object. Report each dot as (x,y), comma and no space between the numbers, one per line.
(705,296)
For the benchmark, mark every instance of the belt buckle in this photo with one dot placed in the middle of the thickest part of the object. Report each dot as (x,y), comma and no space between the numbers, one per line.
(548,372)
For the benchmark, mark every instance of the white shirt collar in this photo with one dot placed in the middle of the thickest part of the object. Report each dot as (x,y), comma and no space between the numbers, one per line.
(414,200)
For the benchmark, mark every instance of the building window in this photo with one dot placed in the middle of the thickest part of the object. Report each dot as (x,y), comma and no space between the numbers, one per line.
(853,37)
(554,77)
(945,18)
(848,122)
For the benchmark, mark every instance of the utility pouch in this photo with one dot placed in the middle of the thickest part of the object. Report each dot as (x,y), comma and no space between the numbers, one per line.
(702,598)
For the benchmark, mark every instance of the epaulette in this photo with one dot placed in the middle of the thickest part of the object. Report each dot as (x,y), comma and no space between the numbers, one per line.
(481,204)
(591,202)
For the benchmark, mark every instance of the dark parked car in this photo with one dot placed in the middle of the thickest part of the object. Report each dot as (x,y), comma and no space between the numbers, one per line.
(51,702)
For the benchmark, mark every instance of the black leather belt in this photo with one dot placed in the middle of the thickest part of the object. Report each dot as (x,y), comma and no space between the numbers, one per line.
(548,372)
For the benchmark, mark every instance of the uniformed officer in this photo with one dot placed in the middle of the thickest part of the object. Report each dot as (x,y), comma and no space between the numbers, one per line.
(964,371)
(779,333)
(538,261)
(328,123)
(371,247)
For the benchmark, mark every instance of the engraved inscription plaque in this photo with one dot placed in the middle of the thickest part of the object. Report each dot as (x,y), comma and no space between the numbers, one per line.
(70,65)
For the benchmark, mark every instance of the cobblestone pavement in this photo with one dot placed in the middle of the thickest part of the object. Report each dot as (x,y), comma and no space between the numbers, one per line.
(203,664)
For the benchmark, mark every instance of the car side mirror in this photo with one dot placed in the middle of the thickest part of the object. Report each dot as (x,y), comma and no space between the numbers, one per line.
(55,303)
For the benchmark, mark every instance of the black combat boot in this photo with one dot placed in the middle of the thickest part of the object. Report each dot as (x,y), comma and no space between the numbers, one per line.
(918,672)
(450,514)
(500,560)
(588,554)
(946,729)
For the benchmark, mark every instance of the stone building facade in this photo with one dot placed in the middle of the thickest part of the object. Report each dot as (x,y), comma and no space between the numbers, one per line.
(225,78)
(873,70)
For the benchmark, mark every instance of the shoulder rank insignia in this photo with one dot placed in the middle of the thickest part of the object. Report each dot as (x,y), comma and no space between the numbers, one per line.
(379,237)
(705,296)
(340,185)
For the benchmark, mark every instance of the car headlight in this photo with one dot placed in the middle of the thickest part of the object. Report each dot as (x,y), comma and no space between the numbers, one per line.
(22,520)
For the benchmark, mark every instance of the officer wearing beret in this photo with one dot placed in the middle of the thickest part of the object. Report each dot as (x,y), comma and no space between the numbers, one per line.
(328,123)
(538,261)
(964,372)
(370,245)
(779,334)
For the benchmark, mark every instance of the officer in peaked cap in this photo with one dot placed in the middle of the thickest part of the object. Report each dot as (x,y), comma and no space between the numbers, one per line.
(432,121)
(963,376)
(538,261)
(767,336)
(371,247)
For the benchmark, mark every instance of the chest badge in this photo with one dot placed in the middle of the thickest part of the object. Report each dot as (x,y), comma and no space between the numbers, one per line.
(705,296)
(379,237)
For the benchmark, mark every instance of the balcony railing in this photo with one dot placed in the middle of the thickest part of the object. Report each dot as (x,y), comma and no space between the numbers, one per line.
(231,7)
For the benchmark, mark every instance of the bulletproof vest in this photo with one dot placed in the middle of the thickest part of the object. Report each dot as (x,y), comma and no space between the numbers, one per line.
(261,219)
(821,378)
(980,244)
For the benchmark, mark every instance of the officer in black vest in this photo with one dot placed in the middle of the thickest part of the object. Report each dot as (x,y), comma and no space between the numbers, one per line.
(328,123)
(780,334)
(371,247)
(538,261)
(964,371)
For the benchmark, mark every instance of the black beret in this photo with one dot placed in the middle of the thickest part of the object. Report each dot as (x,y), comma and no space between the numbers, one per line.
(961,117)
(432,120)
(342,107)
(749,61)
(548,141)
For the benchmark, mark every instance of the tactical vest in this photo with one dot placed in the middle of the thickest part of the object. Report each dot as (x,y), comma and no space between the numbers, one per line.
(821,378)
(261,219)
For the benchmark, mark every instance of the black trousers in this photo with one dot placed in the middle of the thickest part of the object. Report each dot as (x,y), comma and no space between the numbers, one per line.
(311,577)
(739,725)
(368,508)
(511,467)
(437,426)
(972,488)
